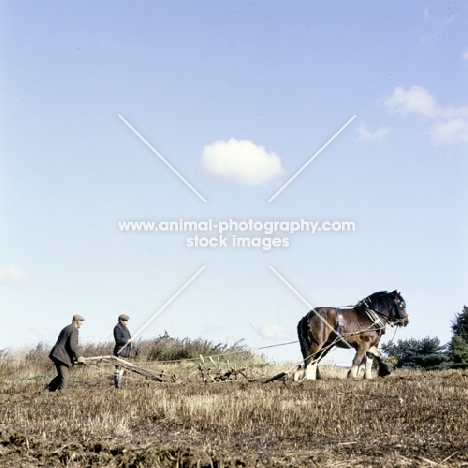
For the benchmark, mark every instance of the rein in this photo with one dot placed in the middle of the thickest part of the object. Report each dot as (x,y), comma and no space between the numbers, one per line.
(393,337)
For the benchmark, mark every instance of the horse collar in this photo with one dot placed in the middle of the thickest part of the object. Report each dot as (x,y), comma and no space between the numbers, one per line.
(376,320)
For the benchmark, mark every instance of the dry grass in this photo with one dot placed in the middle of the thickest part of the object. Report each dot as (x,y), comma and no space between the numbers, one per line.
(409,419)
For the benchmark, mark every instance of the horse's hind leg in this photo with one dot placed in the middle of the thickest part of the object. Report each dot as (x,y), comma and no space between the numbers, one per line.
(299,374)
(311,363)
(311,371)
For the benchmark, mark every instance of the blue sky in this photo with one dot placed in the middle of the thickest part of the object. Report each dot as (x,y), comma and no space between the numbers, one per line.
(237,97)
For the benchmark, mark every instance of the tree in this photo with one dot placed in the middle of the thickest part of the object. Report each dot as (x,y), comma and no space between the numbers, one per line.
(427,353)
(458,347)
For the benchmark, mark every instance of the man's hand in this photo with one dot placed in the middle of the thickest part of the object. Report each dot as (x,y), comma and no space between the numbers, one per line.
(82,360)
(130,340)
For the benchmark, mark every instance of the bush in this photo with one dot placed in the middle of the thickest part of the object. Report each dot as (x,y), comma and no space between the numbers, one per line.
(459,352)
(458,348)
(167,348)
(427,353)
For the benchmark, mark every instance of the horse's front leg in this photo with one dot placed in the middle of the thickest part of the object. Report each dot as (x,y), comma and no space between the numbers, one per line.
(384,368)
(371,353)
(357,361)
(369,362)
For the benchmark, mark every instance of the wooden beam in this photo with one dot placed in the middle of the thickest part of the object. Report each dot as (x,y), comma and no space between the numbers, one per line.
(121,362)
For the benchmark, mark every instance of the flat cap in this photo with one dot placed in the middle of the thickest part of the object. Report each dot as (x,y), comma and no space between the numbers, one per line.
(78,317)
(124,317)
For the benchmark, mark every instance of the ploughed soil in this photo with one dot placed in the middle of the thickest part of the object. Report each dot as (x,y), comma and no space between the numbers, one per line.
(411,420)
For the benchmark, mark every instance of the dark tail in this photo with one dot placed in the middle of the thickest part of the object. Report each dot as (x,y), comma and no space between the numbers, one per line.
(302,329)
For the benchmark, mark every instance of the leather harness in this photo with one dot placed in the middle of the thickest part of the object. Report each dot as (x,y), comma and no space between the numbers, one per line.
(373,316)
(376,320)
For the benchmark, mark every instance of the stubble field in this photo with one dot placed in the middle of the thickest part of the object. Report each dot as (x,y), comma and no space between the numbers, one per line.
(409,419)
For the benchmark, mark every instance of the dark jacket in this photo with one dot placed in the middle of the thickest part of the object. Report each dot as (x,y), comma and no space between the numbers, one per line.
(65,350)
(121,336)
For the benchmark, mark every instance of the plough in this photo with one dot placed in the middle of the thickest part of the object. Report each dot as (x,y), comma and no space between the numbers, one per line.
(205,373)
(123,363)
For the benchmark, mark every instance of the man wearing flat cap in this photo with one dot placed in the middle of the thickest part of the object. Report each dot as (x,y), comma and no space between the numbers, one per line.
(65,353)
(123,346)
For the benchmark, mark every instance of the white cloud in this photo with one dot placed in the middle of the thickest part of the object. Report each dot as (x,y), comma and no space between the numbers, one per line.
(366,135)
(453,121)
(271,330)
(450,132)
(241,161)
(12,274)
(465,55)
(417,99)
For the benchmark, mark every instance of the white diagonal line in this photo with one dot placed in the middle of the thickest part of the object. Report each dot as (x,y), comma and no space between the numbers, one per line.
(165,305)
(312,158)
(159,156)
(308,305)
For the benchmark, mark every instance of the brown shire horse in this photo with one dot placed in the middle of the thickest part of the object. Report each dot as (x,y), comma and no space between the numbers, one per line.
(359,327)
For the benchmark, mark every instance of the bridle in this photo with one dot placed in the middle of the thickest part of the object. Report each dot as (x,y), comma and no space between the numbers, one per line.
(375,315)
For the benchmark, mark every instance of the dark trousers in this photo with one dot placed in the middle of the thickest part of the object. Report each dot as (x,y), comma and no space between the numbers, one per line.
(61,381)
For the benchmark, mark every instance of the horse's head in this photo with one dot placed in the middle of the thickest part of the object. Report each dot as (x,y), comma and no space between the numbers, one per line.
(391,307)
(399,315)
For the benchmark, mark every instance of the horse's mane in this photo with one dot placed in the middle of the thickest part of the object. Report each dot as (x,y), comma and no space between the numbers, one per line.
(377,301)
